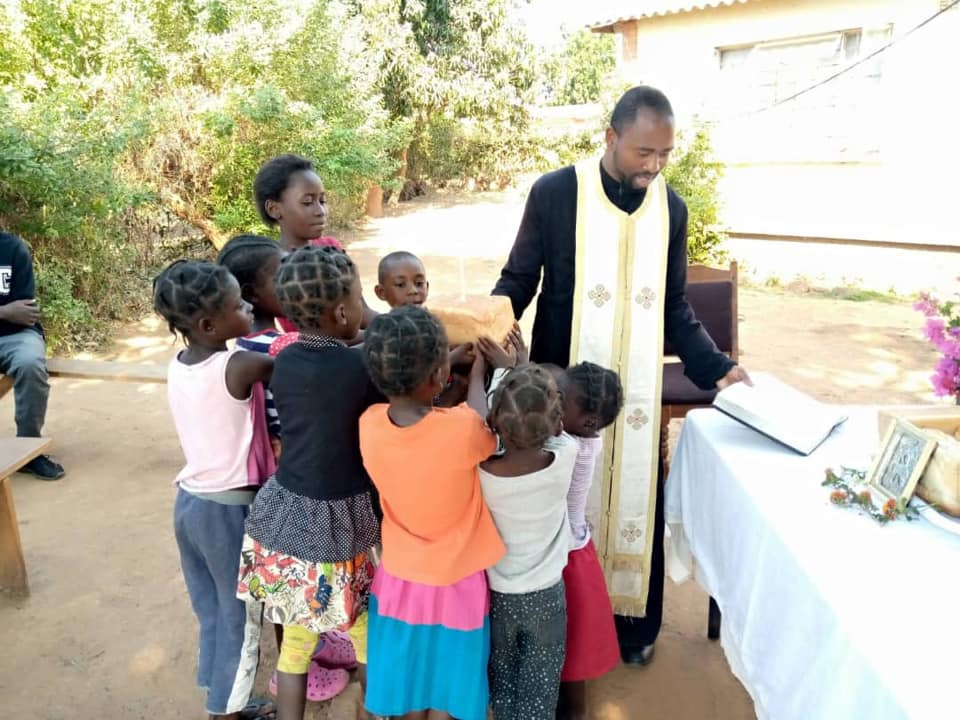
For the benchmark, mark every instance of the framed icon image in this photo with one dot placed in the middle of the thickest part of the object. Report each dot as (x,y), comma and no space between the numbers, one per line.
(903,457)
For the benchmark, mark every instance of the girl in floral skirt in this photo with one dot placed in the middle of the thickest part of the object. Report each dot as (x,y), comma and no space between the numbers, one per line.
(309,536)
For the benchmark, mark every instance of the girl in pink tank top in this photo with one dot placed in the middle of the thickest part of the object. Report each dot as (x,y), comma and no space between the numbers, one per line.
(211,390)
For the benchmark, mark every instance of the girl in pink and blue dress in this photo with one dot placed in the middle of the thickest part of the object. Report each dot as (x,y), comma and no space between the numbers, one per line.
(429,605)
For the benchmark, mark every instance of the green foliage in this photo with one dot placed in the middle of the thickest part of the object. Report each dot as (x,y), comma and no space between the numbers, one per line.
(694,173)
(459,75)
(248,131)
(579,72)
(58,191)
(122,123)
(68,322)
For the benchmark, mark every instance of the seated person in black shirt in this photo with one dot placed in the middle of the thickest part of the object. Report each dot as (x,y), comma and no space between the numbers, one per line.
(22,348)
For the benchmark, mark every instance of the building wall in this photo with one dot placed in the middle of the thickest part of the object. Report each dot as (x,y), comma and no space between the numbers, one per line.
(849,160)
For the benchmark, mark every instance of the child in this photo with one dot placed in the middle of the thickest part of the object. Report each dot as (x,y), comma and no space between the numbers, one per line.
(306,554)
(254,261)
(526,491)
(209,390)
(429,633)
(289,194)
(592,399)
(402,280)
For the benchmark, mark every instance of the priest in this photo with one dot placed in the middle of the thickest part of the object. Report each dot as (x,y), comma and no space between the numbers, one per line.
(609,238)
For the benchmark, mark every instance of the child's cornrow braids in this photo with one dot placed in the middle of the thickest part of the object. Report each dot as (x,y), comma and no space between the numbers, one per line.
(402,348)
(186,287)
(602,392)
(245,255)
(526,407)
(310,281)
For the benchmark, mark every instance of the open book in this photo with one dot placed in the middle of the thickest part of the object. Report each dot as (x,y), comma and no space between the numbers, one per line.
(780,412)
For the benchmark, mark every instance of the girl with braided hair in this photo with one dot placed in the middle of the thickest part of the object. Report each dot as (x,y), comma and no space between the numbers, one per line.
(210,391)
(429,631)
(592,399)
(254,261)
(526,491)
(310,534)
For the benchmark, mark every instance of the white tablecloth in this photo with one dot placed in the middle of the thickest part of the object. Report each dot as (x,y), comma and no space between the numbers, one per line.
(826,614)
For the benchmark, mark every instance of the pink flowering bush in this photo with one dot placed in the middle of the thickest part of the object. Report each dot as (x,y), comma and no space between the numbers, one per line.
(942,329)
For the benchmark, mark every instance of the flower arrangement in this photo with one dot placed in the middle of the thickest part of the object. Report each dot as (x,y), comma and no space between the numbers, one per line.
(849,491)
(942,329)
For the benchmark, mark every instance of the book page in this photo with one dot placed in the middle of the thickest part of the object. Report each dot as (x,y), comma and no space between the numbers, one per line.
(779,410)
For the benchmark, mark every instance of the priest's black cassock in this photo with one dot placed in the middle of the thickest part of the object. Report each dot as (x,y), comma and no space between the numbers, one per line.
(546,245)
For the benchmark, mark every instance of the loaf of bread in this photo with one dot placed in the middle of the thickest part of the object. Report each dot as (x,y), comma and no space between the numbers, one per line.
(468,319)
(940,483)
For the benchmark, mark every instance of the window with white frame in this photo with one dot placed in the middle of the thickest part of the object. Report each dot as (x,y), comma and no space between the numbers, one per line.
(785,102)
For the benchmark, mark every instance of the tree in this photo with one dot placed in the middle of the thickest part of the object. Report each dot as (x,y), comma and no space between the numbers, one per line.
(576,74)
(694,173)
(454,71)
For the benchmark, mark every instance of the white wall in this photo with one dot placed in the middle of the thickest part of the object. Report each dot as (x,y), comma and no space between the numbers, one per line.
(774,185)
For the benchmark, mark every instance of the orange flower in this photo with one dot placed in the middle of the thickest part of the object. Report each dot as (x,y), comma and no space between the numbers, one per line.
(890,508)
(838,497)
(865,498)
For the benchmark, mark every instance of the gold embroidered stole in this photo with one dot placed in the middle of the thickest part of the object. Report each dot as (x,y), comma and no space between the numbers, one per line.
(621,269)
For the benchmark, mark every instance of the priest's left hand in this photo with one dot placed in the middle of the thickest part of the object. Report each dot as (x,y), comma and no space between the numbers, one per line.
(736,374)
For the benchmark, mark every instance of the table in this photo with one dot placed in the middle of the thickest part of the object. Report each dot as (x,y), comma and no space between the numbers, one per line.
(15,452)
(826,614)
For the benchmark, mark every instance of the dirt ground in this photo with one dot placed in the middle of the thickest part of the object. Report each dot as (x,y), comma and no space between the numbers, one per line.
(108,632)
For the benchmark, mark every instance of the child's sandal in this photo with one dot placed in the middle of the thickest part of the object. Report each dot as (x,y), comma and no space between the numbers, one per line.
(336,652)
(322,684)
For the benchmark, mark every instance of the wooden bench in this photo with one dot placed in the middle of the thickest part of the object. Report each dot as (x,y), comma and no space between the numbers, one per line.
(98,370)
(15,452)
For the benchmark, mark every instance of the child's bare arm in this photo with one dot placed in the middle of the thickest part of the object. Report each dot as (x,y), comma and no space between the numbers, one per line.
(476,393)
(462,355)
(497,356)
(244,369)
(455,393)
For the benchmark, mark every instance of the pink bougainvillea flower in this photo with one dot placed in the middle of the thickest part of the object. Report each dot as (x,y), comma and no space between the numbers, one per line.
(927,304)
(946,376)
(933,329)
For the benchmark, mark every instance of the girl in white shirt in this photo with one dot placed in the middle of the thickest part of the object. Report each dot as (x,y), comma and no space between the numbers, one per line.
(526,492)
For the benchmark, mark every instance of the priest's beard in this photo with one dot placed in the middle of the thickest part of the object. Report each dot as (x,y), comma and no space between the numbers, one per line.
(635,182)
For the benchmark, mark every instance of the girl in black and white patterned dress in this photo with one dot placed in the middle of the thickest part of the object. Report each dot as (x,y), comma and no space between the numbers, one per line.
(310,533)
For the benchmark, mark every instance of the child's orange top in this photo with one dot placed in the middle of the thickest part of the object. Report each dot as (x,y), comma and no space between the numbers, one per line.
(436,527)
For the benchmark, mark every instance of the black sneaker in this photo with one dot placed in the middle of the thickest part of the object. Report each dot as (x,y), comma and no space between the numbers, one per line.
(44,468)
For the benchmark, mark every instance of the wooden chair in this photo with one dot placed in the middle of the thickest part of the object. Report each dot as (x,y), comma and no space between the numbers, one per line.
(712,293)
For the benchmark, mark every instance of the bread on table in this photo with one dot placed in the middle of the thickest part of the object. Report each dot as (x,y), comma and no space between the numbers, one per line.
(468,319)
(940,483)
